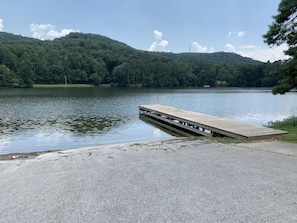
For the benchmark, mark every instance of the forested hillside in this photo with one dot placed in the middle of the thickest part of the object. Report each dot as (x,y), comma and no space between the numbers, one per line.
(217,57)
(94,59)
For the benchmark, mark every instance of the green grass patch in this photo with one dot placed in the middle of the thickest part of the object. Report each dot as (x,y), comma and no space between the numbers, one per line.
(289,125)
(134,85)
(62,86)
(105,85)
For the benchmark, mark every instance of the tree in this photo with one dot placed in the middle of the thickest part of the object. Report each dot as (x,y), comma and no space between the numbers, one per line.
(26,71)
(94,59)
(95,79)
(284,30)
(8,78)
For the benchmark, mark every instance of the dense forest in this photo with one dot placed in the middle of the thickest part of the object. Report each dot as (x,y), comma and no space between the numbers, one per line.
(94,59)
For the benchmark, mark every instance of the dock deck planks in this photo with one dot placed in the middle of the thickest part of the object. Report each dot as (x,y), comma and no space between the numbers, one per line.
(206,124)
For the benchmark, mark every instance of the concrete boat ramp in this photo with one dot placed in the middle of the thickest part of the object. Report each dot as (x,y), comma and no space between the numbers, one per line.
(177,180)
(207,125)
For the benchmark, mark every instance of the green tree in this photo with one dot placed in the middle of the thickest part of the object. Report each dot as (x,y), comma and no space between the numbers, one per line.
(94,59)
(284,30)
(95,79)
(120,73)
(26,71)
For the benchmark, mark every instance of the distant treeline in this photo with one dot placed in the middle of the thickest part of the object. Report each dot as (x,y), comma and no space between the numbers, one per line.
(94,59)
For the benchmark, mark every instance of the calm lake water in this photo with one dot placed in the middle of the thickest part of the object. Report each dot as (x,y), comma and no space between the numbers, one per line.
(65,118)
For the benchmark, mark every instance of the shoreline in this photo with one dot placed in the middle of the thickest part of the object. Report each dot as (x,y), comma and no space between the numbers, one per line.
(32,155)
(273,143)
(20,155)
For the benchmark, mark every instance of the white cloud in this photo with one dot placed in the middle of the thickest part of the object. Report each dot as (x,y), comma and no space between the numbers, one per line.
(47,31)
(1,25)
(237,34)
(230,48)
(41,27)
(258,53)
(240,34)
(159,45)
(40,30)
(248,47)
(196,47)
(210,50)
(158,35)
(64,32)
(264,54)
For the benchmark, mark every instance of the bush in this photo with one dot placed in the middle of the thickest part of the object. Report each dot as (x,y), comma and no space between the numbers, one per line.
(288,122)
(289,125)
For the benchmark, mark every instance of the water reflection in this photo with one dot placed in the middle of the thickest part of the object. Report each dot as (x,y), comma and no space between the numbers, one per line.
(159,127)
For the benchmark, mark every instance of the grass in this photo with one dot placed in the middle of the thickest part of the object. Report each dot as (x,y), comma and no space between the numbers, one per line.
(62,85)
(105,85)
(134,85)
(81,85)
(289,125)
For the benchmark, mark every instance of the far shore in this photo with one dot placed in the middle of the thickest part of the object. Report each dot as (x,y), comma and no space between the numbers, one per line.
(81,85)
(63,86)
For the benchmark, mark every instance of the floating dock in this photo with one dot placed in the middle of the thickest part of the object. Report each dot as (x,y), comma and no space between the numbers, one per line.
(206,125)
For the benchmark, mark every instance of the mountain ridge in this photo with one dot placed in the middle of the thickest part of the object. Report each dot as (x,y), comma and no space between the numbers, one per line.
(213,57)
(96,59)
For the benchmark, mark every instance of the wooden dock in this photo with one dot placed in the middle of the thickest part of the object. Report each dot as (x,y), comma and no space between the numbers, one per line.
(206,125)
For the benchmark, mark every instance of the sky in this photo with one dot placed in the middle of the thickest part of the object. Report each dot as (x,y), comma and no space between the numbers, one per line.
(175,26)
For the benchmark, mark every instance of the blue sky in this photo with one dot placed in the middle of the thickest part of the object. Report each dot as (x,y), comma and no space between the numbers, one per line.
(157,25)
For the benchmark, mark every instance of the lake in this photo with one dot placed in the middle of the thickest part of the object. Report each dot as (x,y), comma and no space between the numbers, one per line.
(64,118)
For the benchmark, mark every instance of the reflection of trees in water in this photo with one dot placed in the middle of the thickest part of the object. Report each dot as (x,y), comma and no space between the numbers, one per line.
(75,125)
